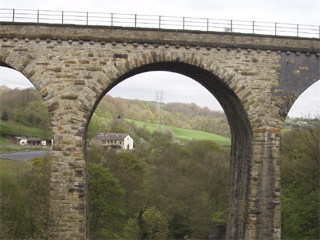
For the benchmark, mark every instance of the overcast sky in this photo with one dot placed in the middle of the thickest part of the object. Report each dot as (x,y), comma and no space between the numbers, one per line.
(177,88)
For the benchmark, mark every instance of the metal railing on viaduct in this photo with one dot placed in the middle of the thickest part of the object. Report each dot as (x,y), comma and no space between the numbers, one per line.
(158,22)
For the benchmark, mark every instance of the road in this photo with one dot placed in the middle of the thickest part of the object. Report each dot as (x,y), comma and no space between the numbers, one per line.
(24,156)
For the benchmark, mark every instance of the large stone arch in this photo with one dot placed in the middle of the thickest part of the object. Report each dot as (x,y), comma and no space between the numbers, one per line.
(216,80)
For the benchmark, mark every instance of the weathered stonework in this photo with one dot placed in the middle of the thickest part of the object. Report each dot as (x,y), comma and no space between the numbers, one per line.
(255,78)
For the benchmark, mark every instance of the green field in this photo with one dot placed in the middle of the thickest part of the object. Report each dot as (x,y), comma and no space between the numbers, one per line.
(13,167)
(187,135)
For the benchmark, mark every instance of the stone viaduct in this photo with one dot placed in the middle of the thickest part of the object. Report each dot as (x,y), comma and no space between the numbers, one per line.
(255,78)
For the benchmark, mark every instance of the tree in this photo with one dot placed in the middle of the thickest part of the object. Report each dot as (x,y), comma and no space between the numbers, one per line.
(128,169)
(6,130)
(148,224)
(25,203)
(105,204)
(5,116)
(35,195)
(179,228)
(94,126)
(300,183)
(192,183)
(11,213)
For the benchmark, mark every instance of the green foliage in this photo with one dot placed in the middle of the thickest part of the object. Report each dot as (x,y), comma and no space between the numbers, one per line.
(187,135)
(25,108)
(184,189)
(11,129)
(179,115)
(179,228)
(6,130)
(105,204)
(13,168)
(45,161)
(128,169)
(148,224)
(11,208)
(5,116)
(24,200)
(94,126)
(300,183)
(300,210)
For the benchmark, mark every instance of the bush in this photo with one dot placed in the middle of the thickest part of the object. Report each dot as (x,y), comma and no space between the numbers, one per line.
(6,130)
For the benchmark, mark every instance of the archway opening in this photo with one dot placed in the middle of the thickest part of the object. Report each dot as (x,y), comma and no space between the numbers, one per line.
(26,141)
(241,136)
(300,151)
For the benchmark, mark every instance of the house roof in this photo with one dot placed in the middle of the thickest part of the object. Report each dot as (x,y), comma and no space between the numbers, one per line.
(34,139)
(20,138)
(112,136)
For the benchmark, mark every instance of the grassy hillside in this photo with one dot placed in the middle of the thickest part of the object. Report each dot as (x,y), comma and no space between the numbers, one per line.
(11,167)
(187,135)
(16,129)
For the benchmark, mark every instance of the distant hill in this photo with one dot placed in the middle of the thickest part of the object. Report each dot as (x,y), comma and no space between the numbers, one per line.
(181,115)
(25,108)
(23,112)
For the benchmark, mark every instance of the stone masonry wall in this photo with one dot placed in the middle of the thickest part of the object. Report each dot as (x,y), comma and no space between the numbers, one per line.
(73,67)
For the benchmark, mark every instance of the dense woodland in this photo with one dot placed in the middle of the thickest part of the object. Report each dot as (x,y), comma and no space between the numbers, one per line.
(161,189)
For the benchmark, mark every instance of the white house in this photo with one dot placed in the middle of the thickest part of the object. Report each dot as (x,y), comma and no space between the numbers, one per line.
(20,140)
(115,140)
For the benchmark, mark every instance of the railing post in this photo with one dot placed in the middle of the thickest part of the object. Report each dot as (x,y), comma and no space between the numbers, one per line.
(275,29)
(13,12)
(207,24)
(253,27)
(87,18)
(62,16)
(297,30)
(183,23)
(135,20)
(111,19)
(159,21)
(38,17)
(231,26)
